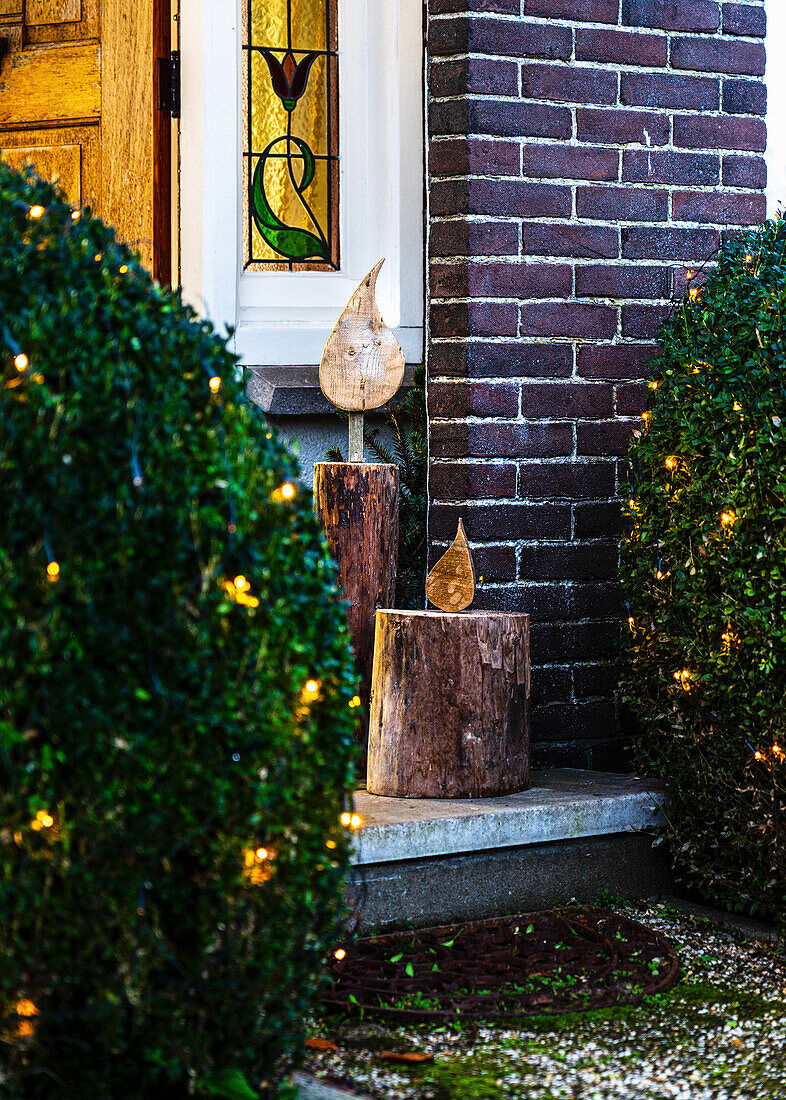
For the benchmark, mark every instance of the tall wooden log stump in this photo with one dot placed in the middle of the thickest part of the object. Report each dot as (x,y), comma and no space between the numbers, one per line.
(449,704)
(358,505)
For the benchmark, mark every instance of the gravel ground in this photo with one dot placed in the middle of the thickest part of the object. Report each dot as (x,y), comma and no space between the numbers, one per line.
(718,1035)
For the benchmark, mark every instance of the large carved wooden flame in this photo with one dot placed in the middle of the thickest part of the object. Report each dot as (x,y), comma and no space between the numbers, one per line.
(362,365)
(451,583)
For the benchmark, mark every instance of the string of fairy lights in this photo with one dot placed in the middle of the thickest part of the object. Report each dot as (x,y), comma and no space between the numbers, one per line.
(258,861)
(687,679)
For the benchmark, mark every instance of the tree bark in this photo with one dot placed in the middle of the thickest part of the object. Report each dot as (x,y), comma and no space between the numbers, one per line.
(449,705)
(358,505)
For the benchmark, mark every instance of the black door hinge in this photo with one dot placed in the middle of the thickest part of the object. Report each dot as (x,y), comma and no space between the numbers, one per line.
(169,84)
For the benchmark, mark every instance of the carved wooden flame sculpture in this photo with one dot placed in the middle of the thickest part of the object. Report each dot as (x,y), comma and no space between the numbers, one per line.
(451,583)
(362,364)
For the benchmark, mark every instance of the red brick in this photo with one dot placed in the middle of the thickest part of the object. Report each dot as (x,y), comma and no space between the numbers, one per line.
(570,240)
(622,127)
(622,204)
(495,280)
(710,207)
(467,157)
(512,198)
(644,166)
(569,162)
(474,319)
(568,84)
(457,400)
(609,438)
(744,172)
(500,37)
(744,97)
(695,132)
(589,11)
(519,199)
(598,601)
(568,400)
(672,15)
(571,561)
(717,55)
(499,7)
(744,19)
(499,118)
(593,521)
(495,440)
(572,319)
(621,281)
(571,480)
(688,93)
(622,47)
(615,361)
(462,238)
(642,322)
(657,243)
(473,75)
(493,522)
(471,481)
(632,400)
(593,680)
(500,360)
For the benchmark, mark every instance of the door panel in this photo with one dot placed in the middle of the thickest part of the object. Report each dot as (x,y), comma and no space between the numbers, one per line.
(76,100)
(40,12)
(71,156)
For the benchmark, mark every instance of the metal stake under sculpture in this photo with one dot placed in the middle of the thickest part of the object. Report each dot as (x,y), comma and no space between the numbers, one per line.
(450,693)
(362,367)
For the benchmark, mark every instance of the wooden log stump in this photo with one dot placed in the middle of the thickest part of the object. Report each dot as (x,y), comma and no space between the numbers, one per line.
(358,505)
(449,705)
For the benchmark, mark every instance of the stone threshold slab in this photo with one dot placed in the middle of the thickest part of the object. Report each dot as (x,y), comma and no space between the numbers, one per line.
(561,804)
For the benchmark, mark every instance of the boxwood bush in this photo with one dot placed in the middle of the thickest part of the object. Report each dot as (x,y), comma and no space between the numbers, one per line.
(704,571)
(176,738)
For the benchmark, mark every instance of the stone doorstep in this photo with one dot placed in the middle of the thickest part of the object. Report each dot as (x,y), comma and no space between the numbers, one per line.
(561,804)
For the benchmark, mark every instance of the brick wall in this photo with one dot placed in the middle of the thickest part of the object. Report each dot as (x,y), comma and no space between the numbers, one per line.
(584,156)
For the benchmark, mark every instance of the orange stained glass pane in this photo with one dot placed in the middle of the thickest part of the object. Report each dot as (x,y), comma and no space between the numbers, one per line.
(290,91)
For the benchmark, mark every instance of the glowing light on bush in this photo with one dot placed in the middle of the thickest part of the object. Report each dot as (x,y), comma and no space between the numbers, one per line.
(355,821)
(37,211)
(346,819)
(672,462)
(728,519)
(339,954)
(354,702)
(215,384)
(53,571)
(21,362)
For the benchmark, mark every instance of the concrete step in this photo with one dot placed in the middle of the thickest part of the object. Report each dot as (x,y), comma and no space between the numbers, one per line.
(573,834)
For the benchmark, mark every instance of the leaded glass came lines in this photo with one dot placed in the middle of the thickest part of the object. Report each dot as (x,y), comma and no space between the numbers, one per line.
(290,156)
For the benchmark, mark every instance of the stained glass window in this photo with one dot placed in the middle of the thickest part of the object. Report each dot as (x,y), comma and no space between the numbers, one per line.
(290,92)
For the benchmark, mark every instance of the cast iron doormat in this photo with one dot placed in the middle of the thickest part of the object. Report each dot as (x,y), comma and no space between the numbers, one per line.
(566,960)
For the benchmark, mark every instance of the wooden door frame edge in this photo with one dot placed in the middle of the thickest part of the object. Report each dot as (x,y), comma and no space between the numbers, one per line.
(162,151)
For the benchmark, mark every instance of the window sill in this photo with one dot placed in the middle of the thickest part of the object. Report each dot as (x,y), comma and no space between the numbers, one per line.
(295,391)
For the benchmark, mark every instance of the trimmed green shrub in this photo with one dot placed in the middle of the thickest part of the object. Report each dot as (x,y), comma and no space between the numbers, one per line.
(175,674)
(704,572)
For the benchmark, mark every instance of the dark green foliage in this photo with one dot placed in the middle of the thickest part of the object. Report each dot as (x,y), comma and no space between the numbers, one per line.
(704,570)
(152,727)
(406,420)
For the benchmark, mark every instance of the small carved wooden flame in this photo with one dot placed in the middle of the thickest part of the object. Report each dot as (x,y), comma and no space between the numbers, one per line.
(362,365)
(451,583)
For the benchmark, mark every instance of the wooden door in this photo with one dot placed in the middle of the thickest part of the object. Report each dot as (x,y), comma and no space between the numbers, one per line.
(77,100)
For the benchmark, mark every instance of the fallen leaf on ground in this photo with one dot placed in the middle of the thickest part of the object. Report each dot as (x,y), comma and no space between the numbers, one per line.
(320,1044)
(405,1056)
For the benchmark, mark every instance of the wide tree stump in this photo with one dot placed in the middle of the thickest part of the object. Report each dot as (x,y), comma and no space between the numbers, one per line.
(449,705)
(358,505)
